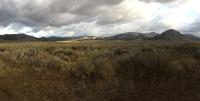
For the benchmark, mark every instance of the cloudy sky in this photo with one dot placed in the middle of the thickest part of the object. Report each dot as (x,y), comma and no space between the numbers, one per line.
(97,17)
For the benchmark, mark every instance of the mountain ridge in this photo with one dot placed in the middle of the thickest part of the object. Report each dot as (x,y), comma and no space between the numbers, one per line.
(169,35)
(17,37)
(132,36)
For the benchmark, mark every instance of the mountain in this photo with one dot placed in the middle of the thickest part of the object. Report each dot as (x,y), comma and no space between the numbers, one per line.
(17,37)
(79,38)
(151,34)
(171,35)
(127,36)
(54,38)
(192,37)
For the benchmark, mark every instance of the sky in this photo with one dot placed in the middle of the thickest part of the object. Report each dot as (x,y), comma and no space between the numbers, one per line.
(43,18)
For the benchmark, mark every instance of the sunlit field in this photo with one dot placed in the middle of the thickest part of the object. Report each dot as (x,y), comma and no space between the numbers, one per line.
(100,71)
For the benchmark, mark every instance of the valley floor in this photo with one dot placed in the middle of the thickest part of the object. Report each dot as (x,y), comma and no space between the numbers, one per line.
(100,71)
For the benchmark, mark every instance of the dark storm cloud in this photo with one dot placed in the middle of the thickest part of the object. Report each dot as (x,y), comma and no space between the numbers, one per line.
(6,13)
(50,12)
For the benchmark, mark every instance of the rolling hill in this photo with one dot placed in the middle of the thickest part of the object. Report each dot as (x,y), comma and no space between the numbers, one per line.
(151,34)
(17,37)
(193,37)
(54,38)
(171,35)
(128,36)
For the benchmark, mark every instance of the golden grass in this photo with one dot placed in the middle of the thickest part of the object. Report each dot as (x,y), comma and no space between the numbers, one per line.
(100,71)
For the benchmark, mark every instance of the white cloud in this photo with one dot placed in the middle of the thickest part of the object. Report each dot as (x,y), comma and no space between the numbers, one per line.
(182,15)
(15,28)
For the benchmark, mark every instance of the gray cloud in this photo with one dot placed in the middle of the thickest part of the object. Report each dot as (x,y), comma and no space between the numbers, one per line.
(192,28)
(50,12)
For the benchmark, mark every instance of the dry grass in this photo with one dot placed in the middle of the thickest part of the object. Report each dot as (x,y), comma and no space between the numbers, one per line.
(100,71)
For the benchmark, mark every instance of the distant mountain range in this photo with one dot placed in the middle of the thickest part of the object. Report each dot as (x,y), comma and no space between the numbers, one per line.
(133,36)
(151,34)
(54,38)
(169,35)
(127,36)
(193,37)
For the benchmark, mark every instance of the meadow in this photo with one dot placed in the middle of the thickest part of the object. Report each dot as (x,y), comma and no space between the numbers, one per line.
(100,71)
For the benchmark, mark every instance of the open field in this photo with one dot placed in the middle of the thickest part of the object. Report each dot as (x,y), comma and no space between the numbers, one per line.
(100,71)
